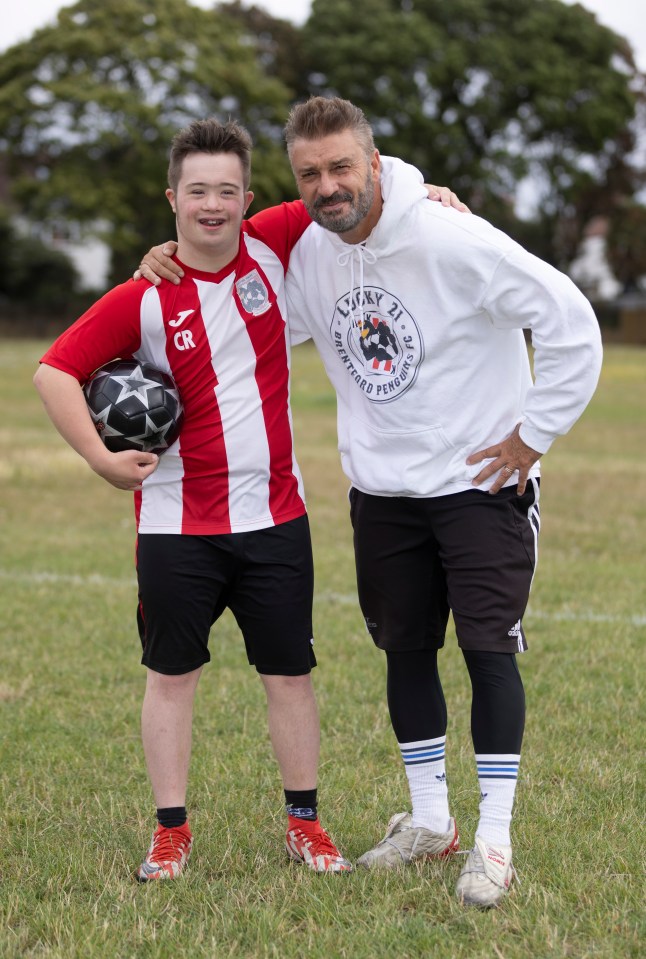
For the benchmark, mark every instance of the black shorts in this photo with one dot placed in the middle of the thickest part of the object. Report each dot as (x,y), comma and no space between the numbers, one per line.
(468,553)
(265,577)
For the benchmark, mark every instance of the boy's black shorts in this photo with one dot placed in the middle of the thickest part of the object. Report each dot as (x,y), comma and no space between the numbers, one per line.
(469,553)
(265,577)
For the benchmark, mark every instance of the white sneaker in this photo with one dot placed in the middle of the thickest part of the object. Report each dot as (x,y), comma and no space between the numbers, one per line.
(404,843)
(486,875)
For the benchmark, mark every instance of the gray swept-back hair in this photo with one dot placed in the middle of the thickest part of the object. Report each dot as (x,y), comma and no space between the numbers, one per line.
(320,116)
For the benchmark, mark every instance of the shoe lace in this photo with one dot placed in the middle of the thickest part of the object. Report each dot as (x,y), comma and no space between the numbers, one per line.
(479,864)
(318,842)
(168,845)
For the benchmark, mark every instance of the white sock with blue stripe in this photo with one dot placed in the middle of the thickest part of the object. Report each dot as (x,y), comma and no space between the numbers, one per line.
(497,775)
(426,772)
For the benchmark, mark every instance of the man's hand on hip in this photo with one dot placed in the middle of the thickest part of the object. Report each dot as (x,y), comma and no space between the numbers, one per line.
(508,457)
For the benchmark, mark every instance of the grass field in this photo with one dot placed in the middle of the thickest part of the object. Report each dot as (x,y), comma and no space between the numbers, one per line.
(75,807)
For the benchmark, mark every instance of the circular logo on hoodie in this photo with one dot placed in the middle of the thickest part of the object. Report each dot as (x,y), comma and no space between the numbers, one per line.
(378,341)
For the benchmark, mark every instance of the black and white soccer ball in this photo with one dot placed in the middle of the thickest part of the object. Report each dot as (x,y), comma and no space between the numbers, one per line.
(134,406)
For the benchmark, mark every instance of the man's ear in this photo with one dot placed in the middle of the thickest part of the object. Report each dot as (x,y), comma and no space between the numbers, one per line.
(248,200)
(375,166)
(170,196)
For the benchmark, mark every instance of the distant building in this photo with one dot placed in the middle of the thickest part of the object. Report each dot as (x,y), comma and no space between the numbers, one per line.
(89,254)
(590,269)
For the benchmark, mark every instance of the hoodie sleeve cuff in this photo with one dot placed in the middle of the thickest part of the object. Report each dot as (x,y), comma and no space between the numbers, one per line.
(539,440)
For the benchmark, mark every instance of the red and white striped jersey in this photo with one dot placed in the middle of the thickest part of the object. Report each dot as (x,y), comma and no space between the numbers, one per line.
(224,339)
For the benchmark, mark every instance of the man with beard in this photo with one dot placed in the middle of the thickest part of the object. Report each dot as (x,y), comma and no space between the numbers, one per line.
(441,445)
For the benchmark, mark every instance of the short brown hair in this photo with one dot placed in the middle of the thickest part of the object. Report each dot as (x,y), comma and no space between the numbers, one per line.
(210,136)
(320,116)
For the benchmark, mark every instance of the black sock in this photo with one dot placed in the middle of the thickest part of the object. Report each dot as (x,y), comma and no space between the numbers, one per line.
(171,816)
(301,803)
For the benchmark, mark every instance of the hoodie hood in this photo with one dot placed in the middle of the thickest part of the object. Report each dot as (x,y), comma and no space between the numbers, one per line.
(402,188)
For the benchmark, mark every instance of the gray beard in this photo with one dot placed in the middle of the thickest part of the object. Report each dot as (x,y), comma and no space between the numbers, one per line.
(359,209)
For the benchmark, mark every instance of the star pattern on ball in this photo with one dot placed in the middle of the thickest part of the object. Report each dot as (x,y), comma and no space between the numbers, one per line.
(153,437)
(101,422)
(135,384)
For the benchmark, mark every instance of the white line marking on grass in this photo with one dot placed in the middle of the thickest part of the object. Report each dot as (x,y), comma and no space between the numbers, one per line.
(569,615)
(68,579)
(341,599)
(565,615)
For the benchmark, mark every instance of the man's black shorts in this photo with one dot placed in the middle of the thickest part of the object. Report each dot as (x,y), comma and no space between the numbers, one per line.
(265,577)
(470,553)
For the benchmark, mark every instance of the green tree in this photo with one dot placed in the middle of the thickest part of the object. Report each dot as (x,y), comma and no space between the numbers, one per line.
(89,105)
(483,94)
(278,44)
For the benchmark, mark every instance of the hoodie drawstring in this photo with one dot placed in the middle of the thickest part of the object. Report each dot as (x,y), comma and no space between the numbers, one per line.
(364,255)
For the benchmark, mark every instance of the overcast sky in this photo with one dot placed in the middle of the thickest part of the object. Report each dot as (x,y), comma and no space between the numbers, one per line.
(19,20)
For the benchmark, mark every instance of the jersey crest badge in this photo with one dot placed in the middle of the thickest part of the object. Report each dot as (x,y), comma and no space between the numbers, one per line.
(253,293)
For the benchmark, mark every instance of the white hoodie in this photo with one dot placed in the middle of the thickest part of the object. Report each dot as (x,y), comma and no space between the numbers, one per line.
(420,330)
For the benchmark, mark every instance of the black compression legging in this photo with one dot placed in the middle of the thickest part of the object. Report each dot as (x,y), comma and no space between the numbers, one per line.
(497,702)
(418,709)
(415,697)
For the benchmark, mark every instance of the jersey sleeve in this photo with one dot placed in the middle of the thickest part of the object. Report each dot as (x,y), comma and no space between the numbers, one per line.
(110,329)
(280,227)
